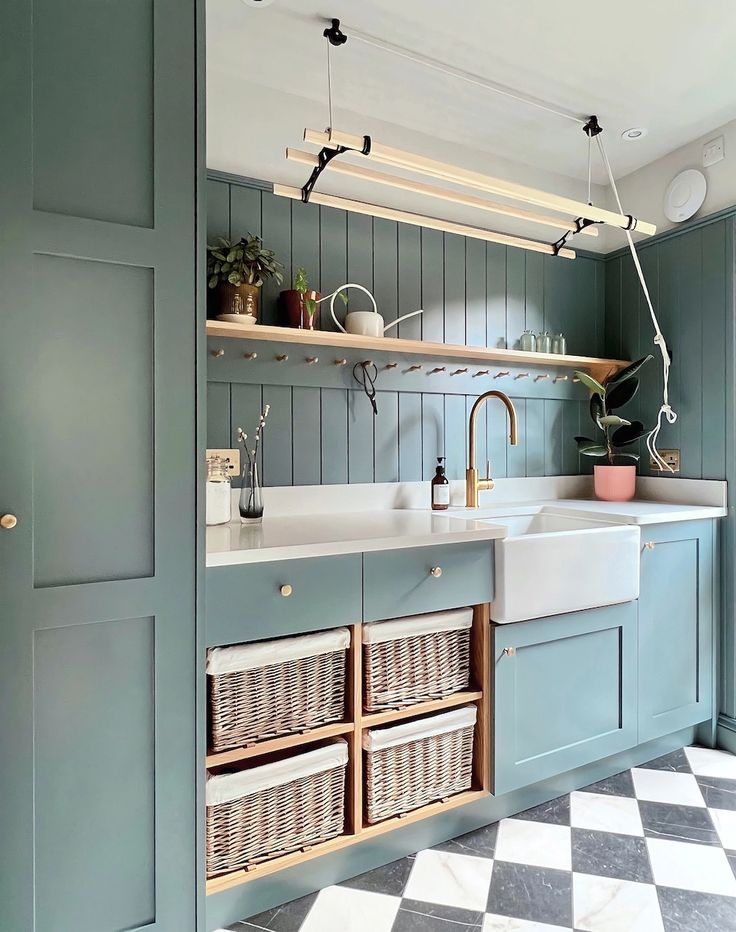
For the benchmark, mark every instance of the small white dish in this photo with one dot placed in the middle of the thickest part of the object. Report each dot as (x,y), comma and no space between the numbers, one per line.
(245,320)
(684,195)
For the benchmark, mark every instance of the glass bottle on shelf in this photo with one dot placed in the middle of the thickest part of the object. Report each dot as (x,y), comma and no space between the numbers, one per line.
(544,342)
(559,344)
(528,341)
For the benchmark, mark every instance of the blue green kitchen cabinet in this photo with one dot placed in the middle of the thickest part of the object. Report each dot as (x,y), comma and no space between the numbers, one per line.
(564,694)
(676,626)
(98,389)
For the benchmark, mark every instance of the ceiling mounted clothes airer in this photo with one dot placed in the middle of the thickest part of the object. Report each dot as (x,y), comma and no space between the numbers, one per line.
(581,217)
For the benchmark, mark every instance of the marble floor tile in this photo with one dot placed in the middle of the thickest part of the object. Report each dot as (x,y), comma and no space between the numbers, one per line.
(556,812)
(605,905)
(686,911)
(534,843)
(480,843)
(622,857)
(725,824)
(660,786)
(497,923)
(675,762)
(620,784)
(605,813)
(286,918)
(711,763)
(691,867)
(340,909)
(416,916)
(537,894)
(679,823)
(450,879)
(391,878)
(718,794)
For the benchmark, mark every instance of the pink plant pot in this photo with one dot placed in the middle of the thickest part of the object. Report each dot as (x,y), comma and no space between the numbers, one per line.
(614,483)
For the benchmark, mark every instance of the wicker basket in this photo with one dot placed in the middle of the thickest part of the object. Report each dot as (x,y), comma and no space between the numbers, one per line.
(263,690)
(411,660)
(259,814)
(411,765)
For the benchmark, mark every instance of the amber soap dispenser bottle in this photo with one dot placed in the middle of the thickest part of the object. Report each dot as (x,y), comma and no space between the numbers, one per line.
(440,487)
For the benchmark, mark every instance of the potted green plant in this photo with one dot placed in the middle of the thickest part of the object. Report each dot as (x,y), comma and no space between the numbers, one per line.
(300,304)
(614,480)
(238,269)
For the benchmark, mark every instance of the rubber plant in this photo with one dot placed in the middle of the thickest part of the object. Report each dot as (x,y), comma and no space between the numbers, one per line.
(616,431)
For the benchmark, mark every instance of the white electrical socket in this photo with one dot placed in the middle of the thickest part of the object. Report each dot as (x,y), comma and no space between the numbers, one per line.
(714,151)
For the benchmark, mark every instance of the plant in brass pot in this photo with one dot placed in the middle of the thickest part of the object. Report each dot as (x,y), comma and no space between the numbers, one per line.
(238,269)
(300,304)
(615,480)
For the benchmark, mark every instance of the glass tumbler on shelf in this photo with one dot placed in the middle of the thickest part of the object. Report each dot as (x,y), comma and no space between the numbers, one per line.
(544,342)
(528,341)
(559,344)
(251,495)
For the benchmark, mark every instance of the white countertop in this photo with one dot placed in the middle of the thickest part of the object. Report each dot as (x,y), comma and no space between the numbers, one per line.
(285,538)
(634,512)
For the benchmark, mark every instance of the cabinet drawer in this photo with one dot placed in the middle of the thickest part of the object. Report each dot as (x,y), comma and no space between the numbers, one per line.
(401,582)
(246,602)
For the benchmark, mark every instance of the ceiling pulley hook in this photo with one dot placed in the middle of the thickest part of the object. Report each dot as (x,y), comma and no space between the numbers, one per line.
(334,34)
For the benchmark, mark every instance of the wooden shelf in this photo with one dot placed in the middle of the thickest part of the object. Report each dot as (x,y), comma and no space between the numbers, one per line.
(283,743)
(371,719)
(599,368)
(234,879)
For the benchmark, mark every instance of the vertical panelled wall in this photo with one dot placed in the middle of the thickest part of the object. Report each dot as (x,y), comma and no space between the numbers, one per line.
(472,292)
(690,274)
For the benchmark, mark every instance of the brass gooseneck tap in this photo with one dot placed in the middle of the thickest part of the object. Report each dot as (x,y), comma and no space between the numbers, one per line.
(472,483)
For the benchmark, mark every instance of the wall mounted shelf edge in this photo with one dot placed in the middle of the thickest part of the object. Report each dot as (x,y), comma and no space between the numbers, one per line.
(599,368)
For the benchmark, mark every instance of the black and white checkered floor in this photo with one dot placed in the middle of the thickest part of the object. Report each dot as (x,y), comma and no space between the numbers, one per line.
(652,849)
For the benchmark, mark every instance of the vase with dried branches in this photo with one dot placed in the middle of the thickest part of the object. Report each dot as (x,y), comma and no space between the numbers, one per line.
(251,492)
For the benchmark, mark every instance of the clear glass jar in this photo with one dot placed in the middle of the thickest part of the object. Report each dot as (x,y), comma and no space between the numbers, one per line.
(218,498)
(544,342)
(559,344)
(251,495)
(528,341)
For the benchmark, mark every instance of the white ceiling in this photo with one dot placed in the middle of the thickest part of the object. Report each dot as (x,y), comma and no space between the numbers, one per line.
(668,65)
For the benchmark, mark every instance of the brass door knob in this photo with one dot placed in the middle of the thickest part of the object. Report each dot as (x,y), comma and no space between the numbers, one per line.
(286,591)
(8,522)
(436,571)
(509,651)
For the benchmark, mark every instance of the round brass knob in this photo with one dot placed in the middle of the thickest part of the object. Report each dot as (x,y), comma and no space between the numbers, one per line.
(436,571)
(286,591)
(509,651)
(8,522)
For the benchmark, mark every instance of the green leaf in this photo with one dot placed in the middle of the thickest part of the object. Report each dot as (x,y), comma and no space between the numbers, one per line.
(597,410)
(213,282)
(594,449)
(235,278)
(629,434)
(621,393)
(613,420)
(629,371)
(592,384)
(624,456)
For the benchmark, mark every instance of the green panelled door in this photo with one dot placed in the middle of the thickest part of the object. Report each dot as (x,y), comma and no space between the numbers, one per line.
(97,463)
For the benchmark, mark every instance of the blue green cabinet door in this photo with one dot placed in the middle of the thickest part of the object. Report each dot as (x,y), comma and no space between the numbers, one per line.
(98,332)
(564,693)
(676,608)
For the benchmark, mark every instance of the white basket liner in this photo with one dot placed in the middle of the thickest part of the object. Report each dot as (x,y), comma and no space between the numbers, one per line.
(377,632)
(264,653)
(421,728)
(226,787)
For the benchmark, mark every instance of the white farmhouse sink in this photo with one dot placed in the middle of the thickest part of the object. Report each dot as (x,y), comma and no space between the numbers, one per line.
(550,564)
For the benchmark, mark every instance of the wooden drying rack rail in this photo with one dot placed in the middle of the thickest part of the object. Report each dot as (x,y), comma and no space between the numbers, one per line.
(599,368)
(357,829)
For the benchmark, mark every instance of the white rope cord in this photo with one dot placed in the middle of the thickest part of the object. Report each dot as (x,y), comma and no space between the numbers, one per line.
(329,86)
(665,409)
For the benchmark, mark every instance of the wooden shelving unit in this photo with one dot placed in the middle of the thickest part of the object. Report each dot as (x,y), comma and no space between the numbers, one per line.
(357,829)
(599,368)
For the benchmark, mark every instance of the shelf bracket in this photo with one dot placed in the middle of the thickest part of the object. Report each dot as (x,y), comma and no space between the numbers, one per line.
(325,156)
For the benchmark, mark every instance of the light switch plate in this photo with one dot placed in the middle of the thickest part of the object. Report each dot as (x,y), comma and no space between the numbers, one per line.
(671,457)
(232,456)
(714,151)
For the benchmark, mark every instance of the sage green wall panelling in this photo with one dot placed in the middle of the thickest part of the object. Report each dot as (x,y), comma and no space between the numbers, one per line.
(97,400)
(471,292)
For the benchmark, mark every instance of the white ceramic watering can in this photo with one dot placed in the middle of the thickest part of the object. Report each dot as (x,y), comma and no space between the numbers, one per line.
(364,323)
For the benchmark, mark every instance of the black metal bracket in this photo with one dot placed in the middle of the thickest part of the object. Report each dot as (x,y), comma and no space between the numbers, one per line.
(580,224)
(325,156)
(592,127)
(334,35)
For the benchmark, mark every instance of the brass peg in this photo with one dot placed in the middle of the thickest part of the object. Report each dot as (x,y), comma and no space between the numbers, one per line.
(459,372)
(8,522)
(509,651)
(414,368)
(522,375)
(286,591)
(311,360)
(502,375)
(561,378)
(649,545)
(436,572)
(481,372)
(575,378)
(341,362)
(390,365)
(250,355)
(282,357)
(437,369)
(217,353)
(543,375)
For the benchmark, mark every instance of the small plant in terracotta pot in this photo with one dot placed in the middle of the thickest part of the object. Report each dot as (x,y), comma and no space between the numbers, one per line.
(238,269)
(300,304)
(615,480)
